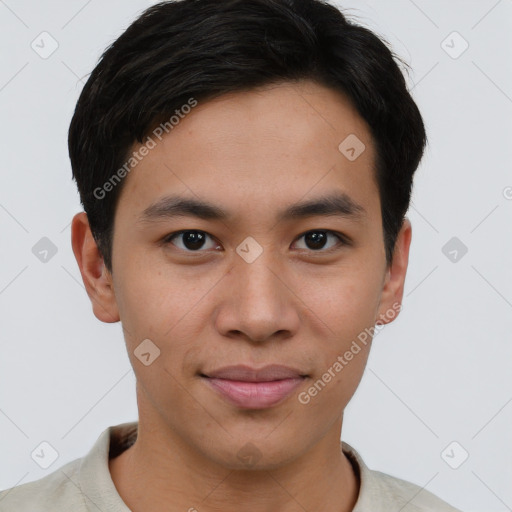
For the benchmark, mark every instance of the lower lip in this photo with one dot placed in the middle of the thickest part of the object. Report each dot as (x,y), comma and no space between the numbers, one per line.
(255,395)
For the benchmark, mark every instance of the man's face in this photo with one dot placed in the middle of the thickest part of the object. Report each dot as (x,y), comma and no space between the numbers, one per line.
(255,289)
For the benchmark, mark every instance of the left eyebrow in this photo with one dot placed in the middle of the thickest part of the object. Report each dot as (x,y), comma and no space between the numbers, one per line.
(337,204)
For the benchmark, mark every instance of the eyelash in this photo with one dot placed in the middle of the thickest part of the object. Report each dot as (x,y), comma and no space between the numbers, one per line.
(342,239)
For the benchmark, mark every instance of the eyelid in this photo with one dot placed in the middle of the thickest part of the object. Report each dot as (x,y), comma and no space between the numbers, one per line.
(341,236)
(167,238)
(343,240)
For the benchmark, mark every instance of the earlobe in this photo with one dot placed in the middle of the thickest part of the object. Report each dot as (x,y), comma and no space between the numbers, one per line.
(97,279)
(393,287)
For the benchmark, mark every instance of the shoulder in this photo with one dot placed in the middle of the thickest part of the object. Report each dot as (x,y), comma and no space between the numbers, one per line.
(381,492)
(80,485)
(411,497)
(56,492)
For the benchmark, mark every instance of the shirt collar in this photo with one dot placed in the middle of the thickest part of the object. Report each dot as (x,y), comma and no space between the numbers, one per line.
(100,492)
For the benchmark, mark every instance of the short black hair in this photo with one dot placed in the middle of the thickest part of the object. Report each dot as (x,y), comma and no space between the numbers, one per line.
(202,49)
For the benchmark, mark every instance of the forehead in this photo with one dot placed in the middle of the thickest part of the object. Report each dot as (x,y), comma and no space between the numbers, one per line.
(257,149)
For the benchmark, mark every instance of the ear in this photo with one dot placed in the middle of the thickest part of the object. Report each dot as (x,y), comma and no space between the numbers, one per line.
(393,284)
(96,277)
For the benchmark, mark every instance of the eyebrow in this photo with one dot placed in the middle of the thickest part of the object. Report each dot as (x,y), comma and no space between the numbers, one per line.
(336,204)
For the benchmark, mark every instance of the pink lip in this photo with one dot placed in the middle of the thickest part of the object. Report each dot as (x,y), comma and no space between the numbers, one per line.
(254,395)
(251,388)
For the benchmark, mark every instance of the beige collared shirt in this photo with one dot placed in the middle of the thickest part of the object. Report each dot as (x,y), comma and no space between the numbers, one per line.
(85,484)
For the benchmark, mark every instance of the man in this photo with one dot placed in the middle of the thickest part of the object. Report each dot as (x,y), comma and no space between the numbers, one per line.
(245,168)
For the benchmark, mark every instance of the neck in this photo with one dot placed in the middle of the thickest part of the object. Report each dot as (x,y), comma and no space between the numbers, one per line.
(159,471)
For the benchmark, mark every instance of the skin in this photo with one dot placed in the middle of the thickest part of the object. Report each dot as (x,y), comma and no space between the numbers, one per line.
(251,153)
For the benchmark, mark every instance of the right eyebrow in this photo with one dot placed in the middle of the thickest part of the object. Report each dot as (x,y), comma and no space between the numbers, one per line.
(176,206)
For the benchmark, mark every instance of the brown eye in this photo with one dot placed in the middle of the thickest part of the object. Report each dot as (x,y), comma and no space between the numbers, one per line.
(317,240)
(191,240)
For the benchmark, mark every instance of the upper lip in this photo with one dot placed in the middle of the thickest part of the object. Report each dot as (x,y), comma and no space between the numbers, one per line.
(249,374)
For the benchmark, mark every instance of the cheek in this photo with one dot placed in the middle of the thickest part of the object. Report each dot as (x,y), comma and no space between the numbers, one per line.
(346,306)
(330,390)
(154,299)
(168,306)
(346,300)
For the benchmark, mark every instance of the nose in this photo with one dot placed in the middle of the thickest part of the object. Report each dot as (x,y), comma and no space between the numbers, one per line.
(258,303)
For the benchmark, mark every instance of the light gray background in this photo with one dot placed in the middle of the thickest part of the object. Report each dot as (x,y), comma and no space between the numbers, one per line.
(439,373)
